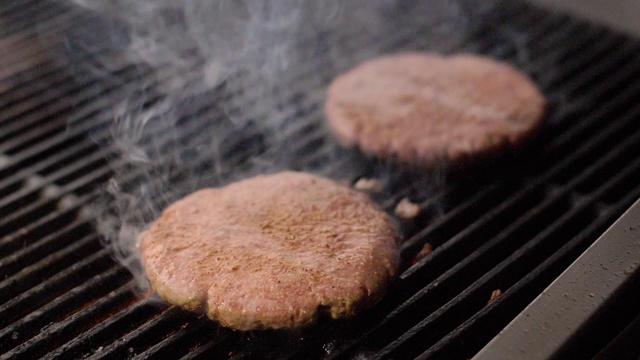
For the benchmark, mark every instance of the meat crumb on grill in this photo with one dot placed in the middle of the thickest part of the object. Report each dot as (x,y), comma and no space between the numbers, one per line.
(368,185)
(494,296)
(406,209)
(426,250)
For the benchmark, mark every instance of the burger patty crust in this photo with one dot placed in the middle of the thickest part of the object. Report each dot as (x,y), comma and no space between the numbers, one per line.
(272,252)
(424,107)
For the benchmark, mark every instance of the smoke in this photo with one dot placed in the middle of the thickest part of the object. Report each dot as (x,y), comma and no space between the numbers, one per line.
(210,91)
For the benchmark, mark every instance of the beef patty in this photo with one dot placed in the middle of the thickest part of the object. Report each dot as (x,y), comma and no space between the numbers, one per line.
(423,108)
(272,252)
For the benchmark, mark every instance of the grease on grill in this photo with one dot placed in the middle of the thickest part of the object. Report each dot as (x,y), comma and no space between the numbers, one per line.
(494,296)
(406,209)
(424,252)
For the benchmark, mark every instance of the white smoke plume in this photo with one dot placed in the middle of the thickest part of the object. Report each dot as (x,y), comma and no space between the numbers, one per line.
(216,89)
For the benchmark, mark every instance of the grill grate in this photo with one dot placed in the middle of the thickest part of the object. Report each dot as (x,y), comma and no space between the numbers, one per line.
(61,294)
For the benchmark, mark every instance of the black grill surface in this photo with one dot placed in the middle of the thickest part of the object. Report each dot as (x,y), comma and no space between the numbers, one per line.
(514,228)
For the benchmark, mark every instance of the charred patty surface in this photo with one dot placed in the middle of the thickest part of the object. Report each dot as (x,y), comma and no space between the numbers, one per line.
(272,251)
(424,107)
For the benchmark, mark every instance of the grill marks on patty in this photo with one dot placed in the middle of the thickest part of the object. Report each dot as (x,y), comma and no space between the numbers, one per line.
(271,251)
(426,107)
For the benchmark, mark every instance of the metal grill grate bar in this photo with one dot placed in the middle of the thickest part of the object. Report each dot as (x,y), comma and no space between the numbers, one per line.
(67,329)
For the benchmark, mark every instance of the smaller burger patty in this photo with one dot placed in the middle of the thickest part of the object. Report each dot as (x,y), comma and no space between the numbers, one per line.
(422,108)
(272,252)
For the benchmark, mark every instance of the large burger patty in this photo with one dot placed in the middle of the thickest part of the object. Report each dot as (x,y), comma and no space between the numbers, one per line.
(272,252)
(422,108)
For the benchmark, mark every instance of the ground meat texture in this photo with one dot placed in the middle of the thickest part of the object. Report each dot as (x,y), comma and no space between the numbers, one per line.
(427,108)
(272,252)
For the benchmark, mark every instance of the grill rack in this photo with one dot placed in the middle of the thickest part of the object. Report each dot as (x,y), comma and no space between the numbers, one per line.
(62,295)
